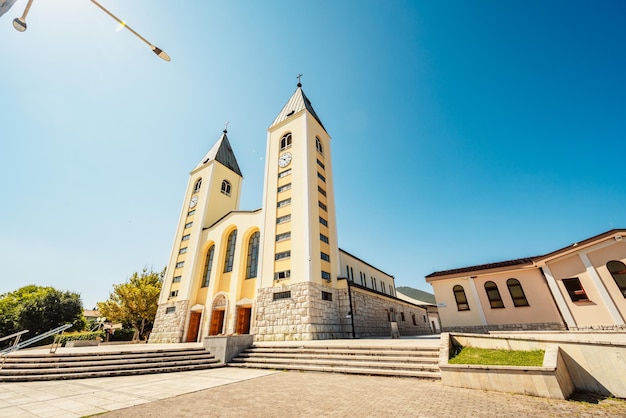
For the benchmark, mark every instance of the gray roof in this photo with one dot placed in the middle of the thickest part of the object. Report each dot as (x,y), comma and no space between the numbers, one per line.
(223,153)
(296,103)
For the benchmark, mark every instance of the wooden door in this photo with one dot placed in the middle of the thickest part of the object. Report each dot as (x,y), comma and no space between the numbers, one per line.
(243,320)
(194,327)
(217,322)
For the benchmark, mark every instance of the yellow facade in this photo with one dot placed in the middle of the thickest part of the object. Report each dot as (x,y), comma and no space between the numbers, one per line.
(275,272)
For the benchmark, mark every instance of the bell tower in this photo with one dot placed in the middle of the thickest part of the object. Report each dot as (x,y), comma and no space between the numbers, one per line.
(300,252)
(213,190)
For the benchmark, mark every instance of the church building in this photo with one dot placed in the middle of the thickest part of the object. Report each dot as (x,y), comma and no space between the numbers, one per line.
(276,272)
(580,287)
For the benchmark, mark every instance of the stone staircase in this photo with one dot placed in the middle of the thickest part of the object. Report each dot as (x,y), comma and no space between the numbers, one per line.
(24,366)
(420,362)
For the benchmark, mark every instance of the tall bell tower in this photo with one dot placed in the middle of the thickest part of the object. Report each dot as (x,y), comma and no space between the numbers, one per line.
(300,261)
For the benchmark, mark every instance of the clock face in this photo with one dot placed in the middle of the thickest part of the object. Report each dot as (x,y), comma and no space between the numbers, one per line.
(284,159)
(193,202)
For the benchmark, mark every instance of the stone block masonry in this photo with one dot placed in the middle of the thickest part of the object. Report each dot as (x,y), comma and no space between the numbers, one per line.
(373,313)
(169,322)
(298,312)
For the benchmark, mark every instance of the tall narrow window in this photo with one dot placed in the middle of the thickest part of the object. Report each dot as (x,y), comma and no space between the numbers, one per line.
(226,187)
(285,141)
(618,271)
(253,255)
(494,295)
(208,263)
(517,293)
(230,252)
(461,299)
(318,145)
(196,187)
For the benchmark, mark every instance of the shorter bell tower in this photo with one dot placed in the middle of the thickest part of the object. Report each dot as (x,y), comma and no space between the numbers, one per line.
(213,190)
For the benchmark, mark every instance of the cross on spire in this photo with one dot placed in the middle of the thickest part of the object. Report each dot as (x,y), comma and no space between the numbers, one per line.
(298,77)
(225,127)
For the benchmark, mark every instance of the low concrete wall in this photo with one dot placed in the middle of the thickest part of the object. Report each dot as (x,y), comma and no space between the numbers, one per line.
(551,380)
(224,348)
(594,361)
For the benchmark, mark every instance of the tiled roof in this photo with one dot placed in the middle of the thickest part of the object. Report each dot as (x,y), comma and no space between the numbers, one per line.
(508,263)
(223,153)
(529,260)
(296,103)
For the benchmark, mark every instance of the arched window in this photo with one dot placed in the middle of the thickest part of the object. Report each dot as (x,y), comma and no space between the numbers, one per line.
(196,187)
(517,293)
(618,271)
(494,295)
(208,263)
(230,252)
(318,145)
(461,299)
(285,141)
(226,187)
(253,255)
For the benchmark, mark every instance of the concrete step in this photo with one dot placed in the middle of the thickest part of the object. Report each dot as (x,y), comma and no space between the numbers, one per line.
(80,364)
(341,357)
(87,361)
(94,374)
(421,362)
(83,356)
(420,351)
(339,363)
(343,369)
(155,364)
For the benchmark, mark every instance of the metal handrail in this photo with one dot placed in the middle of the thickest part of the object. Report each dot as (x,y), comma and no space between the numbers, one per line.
(15,347)
(17,334)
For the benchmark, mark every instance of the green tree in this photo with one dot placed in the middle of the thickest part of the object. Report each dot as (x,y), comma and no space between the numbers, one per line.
(135,302)
(39,309)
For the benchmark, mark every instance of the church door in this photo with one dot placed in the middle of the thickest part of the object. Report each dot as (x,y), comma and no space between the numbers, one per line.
(243,320)
(194,327)
(217,322)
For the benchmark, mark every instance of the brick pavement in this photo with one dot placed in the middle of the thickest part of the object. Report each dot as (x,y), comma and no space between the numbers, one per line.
(310,394)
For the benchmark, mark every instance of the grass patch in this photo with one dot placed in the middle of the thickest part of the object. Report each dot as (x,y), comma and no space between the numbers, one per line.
(483,356)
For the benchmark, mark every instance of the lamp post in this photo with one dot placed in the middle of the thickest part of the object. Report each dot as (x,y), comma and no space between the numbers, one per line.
(158,51)
(19,23)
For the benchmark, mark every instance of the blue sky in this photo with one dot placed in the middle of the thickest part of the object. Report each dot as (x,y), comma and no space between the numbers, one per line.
(462,132)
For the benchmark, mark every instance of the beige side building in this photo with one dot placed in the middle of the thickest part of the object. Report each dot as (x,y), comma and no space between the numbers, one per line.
(579,287)
(276,272)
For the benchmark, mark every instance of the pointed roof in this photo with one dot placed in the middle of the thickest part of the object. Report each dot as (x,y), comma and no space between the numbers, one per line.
(296,103)
(223,153)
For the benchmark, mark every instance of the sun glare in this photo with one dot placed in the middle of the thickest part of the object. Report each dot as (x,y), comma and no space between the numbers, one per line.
(120,26)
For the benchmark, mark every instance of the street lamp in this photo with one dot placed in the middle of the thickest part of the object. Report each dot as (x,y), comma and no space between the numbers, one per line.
(158,51)
(19,23)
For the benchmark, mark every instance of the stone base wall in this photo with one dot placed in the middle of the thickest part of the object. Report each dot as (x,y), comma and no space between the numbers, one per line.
(306,316)
(373,312)
(169,327)
(601,328)
(485,329)
(302,316)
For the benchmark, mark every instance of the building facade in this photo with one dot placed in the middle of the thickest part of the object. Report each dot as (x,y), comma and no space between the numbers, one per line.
(275,272)
(579,287)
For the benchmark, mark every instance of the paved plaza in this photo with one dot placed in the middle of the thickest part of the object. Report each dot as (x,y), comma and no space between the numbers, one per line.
(237,392)
(234,392)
